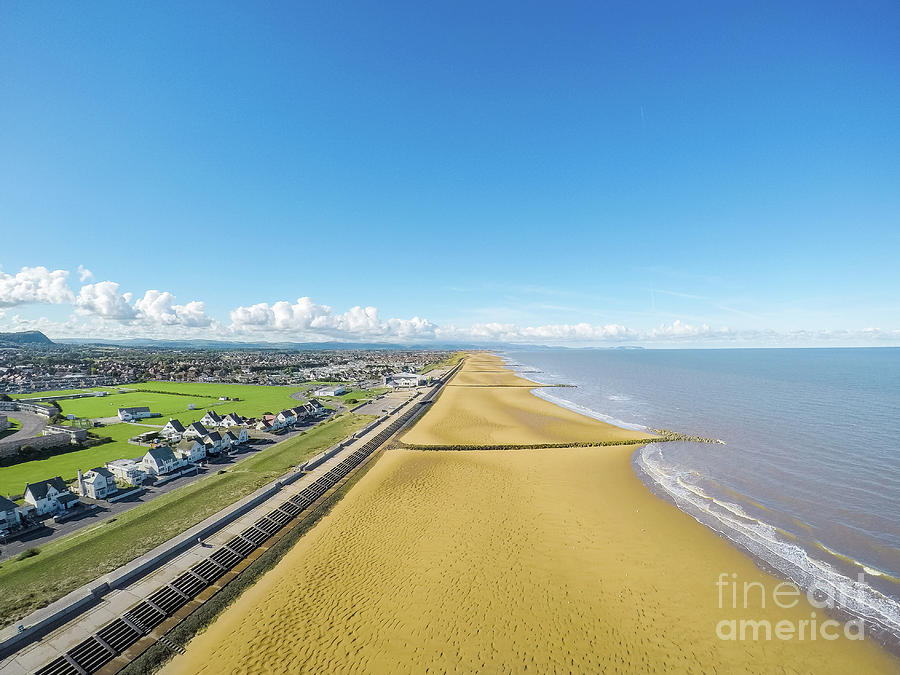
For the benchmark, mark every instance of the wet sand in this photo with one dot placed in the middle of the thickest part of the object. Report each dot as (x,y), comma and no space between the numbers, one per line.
(508,561)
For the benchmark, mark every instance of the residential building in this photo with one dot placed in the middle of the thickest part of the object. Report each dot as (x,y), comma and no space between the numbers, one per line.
(213,443)
(286,417)
(50,496)
(195,430)
(9,515)
(211,419)
(161,460)
(232,420)
(98,483)
(127,471)
(190,451)
(136,413)
(173,431)
(75,434)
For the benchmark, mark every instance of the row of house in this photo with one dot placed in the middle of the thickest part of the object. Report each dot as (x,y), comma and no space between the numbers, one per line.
(184,446)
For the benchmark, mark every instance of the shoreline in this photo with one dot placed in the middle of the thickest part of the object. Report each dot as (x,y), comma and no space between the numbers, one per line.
(502,560)
(793,563)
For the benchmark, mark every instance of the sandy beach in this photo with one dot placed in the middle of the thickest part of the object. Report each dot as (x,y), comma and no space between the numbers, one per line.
(527,560)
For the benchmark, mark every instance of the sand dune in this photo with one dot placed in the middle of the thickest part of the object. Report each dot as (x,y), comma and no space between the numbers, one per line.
(506,561)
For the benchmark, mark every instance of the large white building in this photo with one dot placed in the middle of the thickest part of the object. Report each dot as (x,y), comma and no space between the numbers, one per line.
(135,413)
(400,380)
(332,390)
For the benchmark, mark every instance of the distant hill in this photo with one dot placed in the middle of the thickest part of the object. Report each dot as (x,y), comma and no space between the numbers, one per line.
(28,337)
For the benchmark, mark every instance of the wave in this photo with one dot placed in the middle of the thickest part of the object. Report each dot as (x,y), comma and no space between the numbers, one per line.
(588,412)
(764,542)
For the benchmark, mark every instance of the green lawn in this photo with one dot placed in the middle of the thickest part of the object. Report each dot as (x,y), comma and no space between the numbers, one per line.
(168,405)
(361,395)
(13,478)
(73,561)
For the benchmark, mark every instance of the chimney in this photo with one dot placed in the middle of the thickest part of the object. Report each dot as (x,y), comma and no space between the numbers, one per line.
(81,488)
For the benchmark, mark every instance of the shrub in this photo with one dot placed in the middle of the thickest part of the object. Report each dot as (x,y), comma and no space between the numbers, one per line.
(29,553)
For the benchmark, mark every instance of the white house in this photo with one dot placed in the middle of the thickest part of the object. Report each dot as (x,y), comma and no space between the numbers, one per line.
(195,430)
(136,413)
(173,431)
(213,443)
(232,420)
(191,451)
(161,460)
(98,483)
(127,470)
(211,419)
(400,380)
(264,425)
(50,496)
(333,390)
(286,417)
(9,515)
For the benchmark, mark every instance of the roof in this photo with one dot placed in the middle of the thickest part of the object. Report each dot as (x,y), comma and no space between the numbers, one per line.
(161,454)
(231,435)
(7,504)
(233,416)
(213,415)
(405,375)
(140,408)
(126,463)
(176,425)
(187,444)
(66,498)
(196,426)
(106,473)
(286,413)
(39,490)
(214,436)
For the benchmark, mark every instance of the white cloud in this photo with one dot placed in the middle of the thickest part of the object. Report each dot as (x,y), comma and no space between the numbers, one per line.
(35,285)
(104,300)
(159,307)
(84,274)
(306,318)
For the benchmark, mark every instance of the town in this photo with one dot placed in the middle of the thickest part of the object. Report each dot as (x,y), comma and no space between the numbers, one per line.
(153,420)
(42,365)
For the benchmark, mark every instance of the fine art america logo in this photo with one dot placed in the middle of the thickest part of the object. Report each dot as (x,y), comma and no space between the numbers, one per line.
(747,596)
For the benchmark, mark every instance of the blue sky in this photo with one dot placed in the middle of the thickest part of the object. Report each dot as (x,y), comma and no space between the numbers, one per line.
(574,173)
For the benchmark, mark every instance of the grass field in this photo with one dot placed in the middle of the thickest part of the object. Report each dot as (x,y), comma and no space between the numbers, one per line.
(13,478)
(72,561)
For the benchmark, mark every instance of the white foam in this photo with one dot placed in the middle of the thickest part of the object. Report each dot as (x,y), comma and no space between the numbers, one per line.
(761,539)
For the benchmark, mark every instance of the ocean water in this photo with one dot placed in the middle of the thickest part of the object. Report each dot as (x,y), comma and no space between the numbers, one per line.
(808,480)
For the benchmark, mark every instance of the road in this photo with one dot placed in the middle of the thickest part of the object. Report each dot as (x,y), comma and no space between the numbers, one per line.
(31,424)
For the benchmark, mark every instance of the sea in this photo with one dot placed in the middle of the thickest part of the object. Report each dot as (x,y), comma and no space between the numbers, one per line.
(807,479)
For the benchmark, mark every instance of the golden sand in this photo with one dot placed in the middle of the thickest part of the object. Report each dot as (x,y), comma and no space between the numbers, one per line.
(507,561)
(472,412)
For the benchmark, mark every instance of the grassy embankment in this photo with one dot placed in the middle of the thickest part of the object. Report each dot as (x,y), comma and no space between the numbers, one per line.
(70,562)
(449,362)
